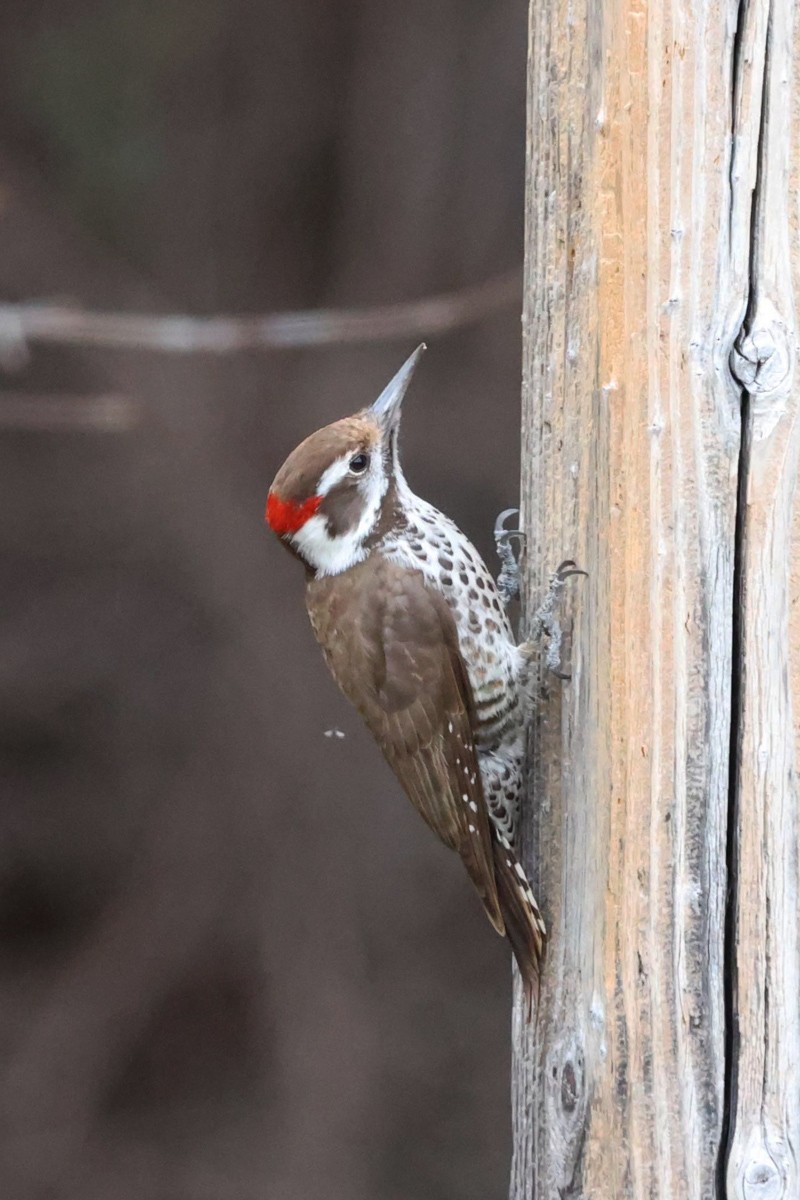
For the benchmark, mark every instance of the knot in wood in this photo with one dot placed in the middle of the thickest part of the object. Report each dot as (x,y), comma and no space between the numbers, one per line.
(568,1079)
(761,358)
(761,1179)
(569,1087)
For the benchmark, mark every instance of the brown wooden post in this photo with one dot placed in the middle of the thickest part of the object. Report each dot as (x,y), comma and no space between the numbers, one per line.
(660,449)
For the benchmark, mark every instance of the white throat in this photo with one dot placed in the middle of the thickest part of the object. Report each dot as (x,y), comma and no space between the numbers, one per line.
(329,554)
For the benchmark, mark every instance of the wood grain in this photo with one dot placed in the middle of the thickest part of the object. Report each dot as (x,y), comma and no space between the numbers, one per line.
(643,161)
(765,947)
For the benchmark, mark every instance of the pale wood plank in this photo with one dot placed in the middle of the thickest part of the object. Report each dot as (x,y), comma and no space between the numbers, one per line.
(636,283)
(765,1093)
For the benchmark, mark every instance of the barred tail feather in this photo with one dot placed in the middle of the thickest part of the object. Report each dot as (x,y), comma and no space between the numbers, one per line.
(523,920)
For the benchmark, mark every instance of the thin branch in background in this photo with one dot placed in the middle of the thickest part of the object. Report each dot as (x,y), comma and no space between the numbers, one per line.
(32,412)
(67,325)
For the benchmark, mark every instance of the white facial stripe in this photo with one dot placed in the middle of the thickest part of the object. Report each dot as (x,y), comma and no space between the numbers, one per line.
(334,474)
(330,555)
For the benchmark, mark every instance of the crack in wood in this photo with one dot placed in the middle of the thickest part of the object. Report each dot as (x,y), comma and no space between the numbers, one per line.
(762,946)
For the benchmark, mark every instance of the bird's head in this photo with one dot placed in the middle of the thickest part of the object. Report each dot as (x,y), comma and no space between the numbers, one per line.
(329,496)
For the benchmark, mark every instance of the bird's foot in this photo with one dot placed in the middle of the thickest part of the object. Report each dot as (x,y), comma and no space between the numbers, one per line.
(508,579)
(545,619)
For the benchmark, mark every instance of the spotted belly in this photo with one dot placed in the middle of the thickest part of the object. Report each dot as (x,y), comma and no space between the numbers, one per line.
(433,544)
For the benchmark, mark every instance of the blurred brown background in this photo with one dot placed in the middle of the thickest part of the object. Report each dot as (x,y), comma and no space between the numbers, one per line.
(233,962)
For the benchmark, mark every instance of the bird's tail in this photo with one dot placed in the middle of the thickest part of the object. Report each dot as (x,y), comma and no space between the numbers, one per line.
(523,920)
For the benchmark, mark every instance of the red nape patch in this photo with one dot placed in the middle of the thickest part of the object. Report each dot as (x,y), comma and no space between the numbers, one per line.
(286,516)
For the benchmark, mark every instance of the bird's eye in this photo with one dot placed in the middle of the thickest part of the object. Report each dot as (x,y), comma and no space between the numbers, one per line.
(359,464)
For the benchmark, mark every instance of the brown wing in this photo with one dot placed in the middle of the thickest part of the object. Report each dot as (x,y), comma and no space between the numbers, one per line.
(391,644)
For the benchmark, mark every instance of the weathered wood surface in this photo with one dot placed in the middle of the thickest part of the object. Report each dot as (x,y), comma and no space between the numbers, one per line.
(662,229)
(765,952)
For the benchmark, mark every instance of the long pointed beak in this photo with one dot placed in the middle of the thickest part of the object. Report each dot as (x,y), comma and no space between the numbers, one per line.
(386,408)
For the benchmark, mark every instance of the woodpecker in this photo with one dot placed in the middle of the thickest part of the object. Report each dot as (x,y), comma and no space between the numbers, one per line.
(415,634)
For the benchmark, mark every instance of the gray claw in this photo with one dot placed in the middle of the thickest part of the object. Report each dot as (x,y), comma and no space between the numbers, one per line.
(508,579)
(545,620)
(567,568)
(499,525)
